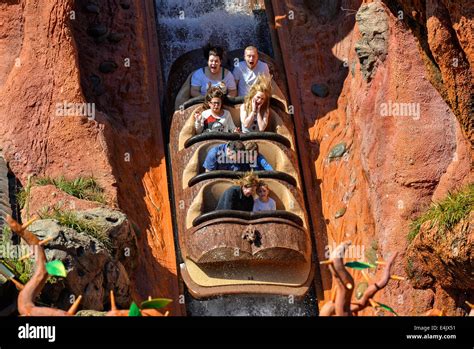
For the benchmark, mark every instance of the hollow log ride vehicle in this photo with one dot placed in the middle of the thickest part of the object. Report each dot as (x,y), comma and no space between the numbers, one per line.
(236,252)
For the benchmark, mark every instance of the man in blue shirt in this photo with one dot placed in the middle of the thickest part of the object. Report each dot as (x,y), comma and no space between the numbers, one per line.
(226,157)
(258,163)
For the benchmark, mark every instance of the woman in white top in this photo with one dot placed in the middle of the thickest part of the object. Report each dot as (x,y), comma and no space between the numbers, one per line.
(255,112)
(213,75)
(263,202)
(214,117)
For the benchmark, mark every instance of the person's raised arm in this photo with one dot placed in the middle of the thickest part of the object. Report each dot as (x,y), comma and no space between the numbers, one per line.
(247,119)
(198,122)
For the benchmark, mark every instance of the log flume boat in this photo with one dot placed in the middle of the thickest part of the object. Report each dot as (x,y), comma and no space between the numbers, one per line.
(217,255)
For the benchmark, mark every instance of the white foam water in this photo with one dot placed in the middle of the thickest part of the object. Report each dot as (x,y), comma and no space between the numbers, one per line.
(185,25)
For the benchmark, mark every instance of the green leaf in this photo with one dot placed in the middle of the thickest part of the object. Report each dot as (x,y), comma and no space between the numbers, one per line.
(134,310)
(386,307)
(56,268)
(359,265)
(156,303)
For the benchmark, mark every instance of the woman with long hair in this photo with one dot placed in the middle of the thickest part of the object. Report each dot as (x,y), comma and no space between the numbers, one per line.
(255,111)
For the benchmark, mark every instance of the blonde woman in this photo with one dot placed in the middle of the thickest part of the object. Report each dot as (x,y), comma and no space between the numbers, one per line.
(239,197)
(255,111)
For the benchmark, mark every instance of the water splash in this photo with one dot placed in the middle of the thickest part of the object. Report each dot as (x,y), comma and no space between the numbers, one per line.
(185,25)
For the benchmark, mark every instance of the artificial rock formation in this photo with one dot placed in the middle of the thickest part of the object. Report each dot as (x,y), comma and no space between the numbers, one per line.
(29,293)
(372,46)
(394,160)
(443,261)
(94,266)
(5,207)
(54,53)
(47,197)
(443,29)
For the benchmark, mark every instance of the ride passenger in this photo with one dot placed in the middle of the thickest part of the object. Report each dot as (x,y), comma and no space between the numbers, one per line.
(263,202)
(214,117)
(258,163)
(247,71)
(227,157)
(255,111)
(239,197)
(213,75)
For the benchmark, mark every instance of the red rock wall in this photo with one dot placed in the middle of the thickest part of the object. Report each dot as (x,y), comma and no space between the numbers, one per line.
(41,70)
(122,147)
(394,165)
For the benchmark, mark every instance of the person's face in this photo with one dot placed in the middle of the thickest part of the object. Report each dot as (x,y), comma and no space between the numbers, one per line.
(248,190)
(262,192)
(214,63)
(260,98)
(231,154)
(251,57)
(215,104)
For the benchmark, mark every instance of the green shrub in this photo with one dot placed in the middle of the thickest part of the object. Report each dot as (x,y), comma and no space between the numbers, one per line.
(85,188)
(21,197)
(445,214)
(72,220)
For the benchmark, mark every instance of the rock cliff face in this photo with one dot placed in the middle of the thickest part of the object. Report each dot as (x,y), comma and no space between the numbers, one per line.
(94,267)
(443,262)
(387,139)
(61,54)
(383,98)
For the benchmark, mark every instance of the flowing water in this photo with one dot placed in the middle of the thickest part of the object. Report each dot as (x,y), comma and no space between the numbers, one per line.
(252,306)
(185,25)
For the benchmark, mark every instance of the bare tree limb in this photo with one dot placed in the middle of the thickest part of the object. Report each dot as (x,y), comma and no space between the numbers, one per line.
(32,289)
(342,305)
